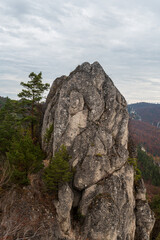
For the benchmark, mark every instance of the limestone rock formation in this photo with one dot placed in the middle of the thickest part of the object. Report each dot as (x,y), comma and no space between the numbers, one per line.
(89,116)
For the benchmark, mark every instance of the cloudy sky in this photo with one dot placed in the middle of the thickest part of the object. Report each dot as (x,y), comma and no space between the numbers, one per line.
(54,36)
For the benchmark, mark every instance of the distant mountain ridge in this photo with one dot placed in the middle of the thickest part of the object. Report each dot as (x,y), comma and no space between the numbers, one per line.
(147,112)
(146,135)
(144,126)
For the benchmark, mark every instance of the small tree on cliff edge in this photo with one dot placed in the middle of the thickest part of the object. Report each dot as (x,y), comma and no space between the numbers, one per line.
(30,96)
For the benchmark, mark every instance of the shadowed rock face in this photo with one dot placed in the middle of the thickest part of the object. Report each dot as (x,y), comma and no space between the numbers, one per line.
(89,116)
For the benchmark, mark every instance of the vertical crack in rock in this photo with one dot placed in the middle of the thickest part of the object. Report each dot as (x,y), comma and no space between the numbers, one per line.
(90,117)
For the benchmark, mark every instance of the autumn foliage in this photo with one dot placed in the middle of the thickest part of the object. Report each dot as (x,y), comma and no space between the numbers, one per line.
(146,135)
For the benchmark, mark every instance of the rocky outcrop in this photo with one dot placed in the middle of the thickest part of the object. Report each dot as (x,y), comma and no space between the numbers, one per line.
(144,215)
(109,207)
(63,207)
(89,116)
(86,113)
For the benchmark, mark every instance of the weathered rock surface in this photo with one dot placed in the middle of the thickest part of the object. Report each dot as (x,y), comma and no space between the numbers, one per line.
(63,208)
(90,117)
(109,207)
(144,215)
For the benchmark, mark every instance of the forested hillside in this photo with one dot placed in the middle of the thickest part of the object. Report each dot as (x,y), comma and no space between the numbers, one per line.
(149,170)
(145,132)
(146,135)
(2,101)
(149,112)
(20,152)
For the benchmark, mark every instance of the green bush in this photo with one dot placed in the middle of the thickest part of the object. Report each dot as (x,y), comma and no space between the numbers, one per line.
(137,172)
(48,133)
(58,171)
(24,157)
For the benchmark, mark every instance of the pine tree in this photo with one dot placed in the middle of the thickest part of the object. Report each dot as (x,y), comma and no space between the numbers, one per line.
(9,123)
(31,96)
(24,157)
(58,172)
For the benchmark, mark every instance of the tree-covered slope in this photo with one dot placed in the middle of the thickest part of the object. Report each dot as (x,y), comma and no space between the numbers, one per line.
(146,135)
(2,101)
(149,112)
(149,170)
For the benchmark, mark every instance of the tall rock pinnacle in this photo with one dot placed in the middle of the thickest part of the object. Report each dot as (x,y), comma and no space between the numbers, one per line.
(89,116)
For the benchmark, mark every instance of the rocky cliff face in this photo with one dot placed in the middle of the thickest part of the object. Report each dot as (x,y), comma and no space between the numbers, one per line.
(89,116)
(85,112)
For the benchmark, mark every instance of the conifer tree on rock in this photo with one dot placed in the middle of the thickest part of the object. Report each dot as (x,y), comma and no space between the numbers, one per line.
(58,171)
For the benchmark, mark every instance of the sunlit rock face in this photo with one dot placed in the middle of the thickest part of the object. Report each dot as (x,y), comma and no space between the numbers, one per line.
(89,116)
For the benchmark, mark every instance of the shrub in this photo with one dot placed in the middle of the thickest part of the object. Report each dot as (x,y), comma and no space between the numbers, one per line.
(24,157)
(58,171)
(137,172)
(48,133)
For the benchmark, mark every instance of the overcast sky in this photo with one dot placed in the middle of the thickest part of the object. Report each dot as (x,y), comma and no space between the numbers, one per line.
(54,36)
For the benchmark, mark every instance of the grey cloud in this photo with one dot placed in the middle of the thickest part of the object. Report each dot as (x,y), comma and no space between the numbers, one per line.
(55,36)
